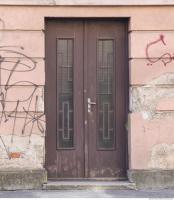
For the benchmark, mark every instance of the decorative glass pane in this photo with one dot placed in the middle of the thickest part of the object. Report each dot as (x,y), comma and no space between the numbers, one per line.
(65,92)
(105,96)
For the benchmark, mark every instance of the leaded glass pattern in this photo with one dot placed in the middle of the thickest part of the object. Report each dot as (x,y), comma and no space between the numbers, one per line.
(65,93)
(105,96)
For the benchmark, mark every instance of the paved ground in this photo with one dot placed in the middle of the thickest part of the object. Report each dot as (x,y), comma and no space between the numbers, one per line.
(89,193)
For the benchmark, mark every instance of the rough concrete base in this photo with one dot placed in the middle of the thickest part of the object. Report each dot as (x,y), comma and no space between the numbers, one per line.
(152,179)
(16,179)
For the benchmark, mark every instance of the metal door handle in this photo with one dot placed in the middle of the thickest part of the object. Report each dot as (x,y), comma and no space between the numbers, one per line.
(89,104)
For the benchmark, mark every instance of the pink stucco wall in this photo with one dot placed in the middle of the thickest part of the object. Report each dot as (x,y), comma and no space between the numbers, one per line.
(151,67)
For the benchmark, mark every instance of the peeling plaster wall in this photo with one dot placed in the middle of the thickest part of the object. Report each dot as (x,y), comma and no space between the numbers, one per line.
(22,119)
(22,72)
(162,156)
(31,154)
(152,100)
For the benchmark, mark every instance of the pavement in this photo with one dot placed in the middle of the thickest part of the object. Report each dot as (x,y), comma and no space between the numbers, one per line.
(92,193)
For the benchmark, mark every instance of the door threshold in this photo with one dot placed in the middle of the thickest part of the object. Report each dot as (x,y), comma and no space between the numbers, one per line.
(89,179)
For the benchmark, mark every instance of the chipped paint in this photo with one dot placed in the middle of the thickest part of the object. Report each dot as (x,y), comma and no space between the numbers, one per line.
(162,156)
(31,154)
(97,173)
(145,98)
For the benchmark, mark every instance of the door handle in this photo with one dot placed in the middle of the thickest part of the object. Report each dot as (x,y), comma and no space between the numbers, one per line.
(90,103)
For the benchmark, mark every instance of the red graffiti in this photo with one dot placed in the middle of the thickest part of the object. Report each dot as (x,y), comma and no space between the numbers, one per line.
(164,58)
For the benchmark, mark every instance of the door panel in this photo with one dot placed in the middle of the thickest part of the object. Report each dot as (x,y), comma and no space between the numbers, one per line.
(86,98)
(64,99)
(106,87)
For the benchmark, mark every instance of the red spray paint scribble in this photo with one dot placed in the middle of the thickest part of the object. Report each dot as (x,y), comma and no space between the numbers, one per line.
(164,58)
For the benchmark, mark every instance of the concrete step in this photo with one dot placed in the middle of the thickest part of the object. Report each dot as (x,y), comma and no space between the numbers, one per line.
(88,184)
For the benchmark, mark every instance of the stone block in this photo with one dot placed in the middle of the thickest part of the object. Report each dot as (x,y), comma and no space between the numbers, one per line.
(14,179)
(152,179)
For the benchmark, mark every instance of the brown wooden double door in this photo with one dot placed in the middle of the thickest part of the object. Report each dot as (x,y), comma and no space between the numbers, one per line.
(86,98)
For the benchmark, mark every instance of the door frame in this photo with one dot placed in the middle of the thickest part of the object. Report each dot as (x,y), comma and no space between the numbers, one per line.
(126,64)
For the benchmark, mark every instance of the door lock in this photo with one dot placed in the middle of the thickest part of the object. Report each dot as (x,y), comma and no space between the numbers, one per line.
(90,103)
